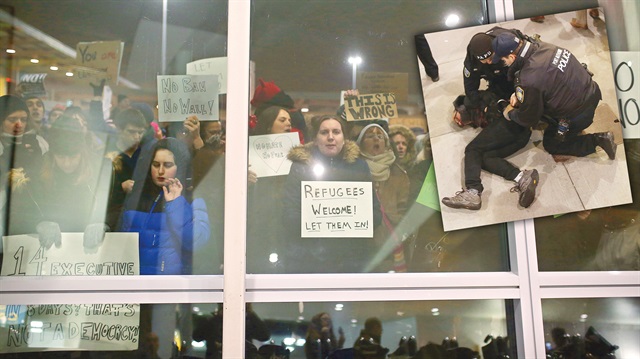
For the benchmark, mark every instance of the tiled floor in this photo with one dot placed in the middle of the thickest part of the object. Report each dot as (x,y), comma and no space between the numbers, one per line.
(577,184)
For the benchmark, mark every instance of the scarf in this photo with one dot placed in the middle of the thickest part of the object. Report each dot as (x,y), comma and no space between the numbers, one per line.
(380,165)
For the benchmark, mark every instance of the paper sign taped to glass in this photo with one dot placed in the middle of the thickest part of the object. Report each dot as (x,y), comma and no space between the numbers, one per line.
(118,255)
(181,96)
(335,209)
(268,153)
(31,328)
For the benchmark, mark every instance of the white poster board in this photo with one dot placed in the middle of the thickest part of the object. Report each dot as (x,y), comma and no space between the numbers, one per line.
(211,66)
(335,209)
(118,255)
(29,328)
(268,153)
(626,72)
(180,96)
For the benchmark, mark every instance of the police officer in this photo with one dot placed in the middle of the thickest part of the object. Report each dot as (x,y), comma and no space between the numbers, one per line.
(552,85)
(478,65)
(500,138)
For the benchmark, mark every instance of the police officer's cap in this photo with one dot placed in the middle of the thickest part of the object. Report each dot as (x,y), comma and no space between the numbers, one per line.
(480,46)
(504,44)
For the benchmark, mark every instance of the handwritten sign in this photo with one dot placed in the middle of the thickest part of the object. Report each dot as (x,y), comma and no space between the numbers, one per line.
(211,66)
(377,82)
(180,96)
(626,72)
(118,255)
(27,328)
(268,153)
(31,84)
(336,209)
(371,107)
(98,60)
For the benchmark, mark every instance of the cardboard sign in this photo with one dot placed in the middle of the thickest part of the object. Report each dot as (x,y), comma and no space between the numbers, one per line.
(371,107)
(118,255)
(336,209)
(31,84)
(98,60)
(268,153)
(212,66)
(180,96)
(28,328)
(377,82)
(626,72)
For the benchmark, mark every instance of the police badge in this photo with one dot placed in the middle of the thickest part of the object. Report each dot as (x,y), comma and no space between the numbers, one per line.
(466,72)
(520,94)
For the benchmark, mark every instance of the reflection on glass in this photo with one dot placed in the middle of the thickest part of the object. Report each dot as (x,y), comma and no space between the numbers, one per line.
(79,124)
(606,239)
(396,229)
(404,329)
(592,327)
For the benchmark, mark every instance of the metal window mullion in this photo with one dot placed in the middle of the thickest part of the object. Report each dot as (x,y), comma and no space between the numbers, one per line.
(238,40)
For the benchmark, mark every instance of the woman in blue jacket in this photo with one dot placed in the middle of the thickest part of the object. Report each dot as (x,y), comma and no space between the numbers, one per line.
(171,225)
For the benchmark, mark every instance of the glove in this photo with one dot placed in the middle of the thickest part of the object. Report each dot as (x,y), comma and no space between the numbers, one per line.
(94,236)
(48,234)
(98,89)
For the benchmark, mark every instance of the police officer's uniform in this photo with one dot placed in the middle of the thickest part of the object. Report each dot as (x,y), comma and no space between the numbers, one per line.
(495,74)
(551,84)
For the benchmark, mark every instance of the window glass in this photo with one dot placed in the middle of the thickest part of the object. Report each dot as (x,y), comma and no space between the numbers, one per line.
(113,123)
(602,327)
(108,330)
(404,328)
(354,196)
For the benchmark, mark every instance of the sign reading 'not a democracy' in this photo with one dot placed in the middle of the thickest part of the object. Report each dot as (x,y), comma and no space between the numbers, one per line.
(180,96)
(334,209)
(370,107)
(27,328)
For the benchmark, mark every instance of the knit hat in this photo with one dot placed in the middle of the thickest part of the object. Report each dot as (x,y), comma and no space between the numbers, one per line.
(364,130)
(10,104)
(480,46)
(65,136)
(268,94)
(504,44)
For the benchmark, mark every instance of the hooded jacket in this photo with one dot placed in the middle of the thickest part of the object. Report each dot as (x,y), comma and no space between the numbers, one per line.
(317,255)
(169,232)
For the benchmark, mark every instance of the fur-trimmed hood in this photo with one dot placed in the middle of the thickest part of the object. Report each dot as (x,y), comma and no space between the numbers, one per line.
(306,153)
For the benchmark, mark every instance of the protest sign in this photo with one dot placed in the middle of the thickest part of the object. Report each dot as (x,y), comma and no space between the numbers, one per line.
(98,60)
(30,328)
(211,66)
(371,107)
(334,209)
(268,153)
(428,195)
(626,67)
(31,84)
(378,82)
(118,255)
(180,96)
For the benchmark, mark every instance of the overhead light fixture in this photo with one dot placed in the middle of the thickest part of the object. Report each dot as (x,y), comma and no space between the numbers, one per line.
(452,20)
(11,51)
(69,73)
(53,68)
(304,110)
(34,61)
(273,257)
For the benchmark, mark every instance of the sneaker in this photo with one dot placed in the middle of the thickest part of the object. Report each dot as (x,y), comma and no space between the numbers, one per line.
(606,141)
(469,199)
(527,187)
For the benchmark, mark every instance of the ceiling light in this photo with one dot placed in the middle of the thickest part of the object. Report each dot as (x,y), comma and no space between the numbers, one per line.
(11,51)
(434,310)
(452,20)
(304,110)
(273,257)
(53,68)
(69,73)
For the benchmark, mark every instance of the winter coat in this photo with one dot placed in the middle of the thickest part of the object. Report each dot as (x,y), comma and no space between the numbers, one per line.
(317,255)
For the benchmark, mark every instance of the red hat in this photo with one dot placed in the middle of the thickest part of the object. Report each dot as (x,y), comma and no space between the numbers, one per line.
(265,91)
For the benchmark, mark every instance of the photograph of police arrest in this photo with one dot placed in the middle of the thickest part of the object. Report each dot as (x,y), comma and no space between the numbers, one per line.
(524,121)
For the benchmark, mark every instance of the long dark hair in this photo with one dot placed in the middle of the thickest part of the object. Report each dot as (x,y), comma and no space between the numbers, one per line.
(145,192)
(266,119)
